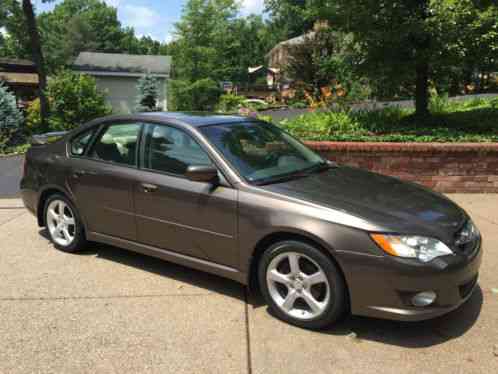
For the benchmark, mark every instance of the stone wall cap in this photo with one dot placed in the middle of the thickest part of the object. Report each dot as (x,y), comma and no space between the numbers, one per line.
(403,147)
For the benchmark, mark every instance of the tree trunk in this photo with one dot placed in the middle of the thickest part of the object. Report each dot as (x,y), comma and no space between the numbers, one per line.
(422,90)
(38,59)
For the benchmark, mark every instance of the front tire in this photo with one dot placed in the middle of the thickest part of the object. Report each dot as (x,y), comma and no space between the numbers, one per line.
(302,285)
(63,224)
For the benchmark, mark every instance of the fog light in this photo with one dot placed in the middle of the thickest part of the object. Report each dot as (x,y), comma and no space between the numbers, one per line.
(424,298)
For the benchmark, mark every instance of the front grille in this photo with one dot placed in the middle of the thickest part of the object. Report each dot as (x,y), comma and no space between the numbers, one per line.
(466,239)
(467,288)
(469,247)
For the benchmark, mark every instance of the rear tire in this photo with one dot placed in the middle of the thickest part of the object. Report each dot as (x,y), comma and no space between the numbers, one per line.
(63,224)
(302,285)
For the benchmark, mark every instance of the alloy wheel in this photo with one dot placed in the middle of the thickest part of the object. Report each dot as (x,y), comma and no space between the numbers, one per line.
(298,285)
(61,222)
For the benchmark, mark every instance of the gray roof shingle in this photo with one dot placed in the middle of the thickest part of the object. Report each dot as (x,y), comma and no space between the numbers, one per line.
(122,63)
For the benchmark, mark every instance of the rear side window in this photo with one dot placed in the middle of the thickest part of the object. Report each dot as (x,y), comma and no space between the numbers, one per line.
(118,144)
(172,151)
(80,143)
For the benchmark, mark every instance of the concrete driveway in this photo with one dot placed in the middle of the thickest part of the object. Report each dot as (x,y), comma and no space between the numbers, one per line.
(111,311)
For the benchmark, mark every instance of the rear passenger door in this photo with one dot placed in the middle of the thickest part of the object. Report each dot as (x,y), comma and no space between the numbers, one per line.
(102,179)
(192,218)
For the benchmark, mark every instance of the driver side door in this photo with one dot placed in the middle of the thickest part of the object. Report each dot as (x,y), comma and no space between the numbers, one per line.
(173,213)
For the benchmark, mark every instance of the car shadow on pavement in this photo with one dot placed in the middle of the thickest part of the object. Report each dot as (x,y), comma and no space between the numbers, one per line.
(206,281)
(411,334)
(404,334)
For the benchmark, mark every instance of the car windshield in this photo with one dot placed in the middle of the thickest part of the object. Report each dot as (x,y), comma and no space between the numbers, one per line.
(262,153)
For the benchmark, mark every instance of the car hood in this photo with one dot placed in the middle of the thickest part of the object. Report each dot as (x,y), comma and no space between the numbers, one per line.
(386,202)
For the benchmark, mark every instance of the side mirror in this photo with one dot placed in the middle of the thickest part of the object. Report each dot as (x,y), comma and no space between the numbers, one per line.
(202,173)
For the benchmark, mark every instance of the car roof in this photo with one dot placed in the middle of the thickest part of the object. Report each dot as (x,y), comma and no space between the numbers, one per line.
(182,119)
(195,119)
(192,119)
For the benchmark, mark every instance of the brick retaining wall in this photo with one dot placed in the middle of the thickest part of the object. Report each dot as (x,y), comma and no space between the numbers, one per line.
(445,167)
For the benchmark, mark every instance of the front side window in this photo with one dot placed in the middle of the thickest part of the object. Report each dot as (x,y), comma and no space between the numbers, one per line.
(118,144)
(260,151)
(80,143)
(170,150)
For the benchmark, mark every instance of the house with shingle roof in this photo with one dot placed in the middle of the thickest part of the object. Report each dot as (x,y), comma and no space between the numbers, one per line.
(21,77)
(118,75)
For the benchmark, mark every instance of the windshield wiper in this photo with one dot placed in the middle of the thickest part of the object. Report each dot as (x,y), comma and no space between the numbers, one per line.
(281,178)
(320,166)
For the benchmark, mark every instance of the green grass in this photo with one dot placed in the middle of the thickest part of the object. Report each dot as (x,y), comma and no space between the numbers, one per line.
(14,150)
(470,121)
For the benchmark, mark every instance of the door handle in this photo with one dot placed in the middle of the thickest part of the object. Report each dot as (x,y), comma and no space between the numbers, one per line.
(80,173)
(147,187)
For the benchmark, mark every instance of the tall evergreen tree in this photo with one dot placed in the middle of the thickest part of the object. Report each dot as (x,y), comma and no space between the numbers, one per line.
(10,116)
(147,94)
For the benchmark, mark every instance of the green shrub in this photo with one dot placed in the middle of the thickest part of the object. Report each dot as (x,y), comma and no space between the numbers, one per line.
(74,99)
(202,94)
(33,119)
(265,118)
(230,103)
(471,121)
(255,104)
(381,120)
(12,140)
(477,102)
(298,105)
(494,103)
(439,104)
(322,125)
(179,97)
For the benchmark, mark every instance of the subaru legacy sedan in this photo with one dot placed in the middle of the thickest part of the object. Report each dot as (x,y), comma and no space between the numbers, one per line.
(242,199)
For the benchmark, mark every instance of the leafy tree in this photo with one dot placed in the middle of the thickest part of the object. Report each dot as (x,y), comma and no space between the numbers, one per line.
(203,39)
(38,58)
(23,41)
(213,44)
(202,94)
(202,50)
(289,18)
(148,93)
(3,19)
(82,25)
(71,27)
(16,43)
(74,100)
(469,30)
(403,42)
(148,46)
(251,41)
(323,67)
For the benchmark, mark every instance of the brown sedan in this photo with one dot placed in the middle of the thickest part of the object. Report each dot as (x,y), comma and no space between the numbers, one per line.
(242,199)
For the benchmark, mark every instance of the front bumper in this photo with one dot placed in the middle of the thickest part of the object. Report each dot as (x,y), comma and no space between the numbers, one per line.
(383,286)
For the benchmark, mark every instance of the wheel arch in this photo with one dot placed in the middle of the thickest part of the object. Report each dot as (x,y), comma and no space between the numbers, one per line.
(44,195)
(268,240)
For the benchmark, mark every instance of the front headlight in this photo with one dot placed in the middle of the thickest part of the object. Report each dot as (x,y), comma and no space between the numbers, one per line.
(410,246)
